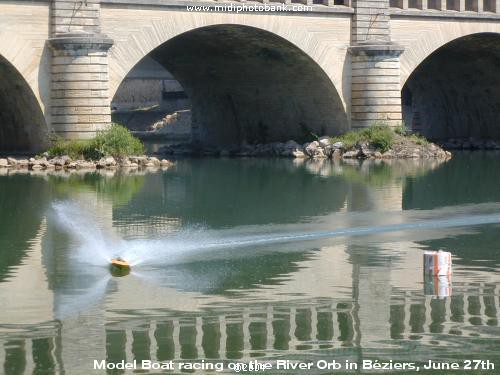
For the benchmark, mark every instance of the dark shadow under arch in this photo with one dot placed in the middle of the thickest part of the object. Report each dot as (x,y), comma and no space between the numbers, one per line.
(250,85)
(455,92)
(22,124)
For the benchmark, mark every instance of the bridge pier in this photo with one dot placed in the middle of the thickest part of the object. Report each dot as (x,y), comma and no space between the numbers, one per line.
(375,69)
(80,102)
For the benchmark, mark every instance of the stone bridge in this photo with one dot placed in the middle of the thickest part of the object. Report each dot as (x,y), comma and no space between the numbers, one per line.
(320,66)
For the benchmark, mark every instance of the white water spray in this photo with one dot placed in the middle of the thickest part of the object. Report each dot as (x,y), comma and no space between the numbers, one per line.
(98,247)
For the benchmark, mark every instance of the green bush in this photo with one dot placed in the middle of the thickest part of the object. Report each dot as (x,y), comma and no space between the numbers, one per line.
(117,141)
(418,139)
(380,136)
(401,129)
(76,149)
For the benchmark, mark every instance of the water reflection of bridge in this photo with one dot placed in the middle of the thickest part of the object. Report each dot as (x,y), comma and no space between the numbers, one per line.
(371,304)
(255,331)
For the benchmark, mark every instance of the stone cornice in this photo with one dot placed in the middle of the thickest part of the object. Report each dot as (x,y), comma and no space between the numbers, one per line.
(81,41)
(376,48)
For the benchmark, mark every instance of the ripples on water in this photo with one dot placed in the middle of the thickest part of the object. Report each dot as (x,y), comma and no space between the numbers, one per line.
(310,261)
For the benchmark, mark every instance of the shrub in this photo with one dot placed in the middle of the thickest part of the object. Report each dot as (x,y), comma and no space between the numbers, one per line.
(76,149)
(418,139)
(380,136)
(117,141)
(401,129)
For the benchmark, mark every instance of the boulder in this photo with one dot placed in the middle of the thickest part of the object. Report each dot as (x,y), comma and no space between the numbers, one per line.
(42,162)
(3,163)
(66,159)
(388,155)
(155,161)
(101,163)
(140,159)
(83,164)
(328,151)
(366,151)
(319,154)
(23,163)
(292,145)
(58,162)
(166,163)
(338,145)
(310,148)
(324,141)
(109,161)
(298,154)
(336,154)
(12,162)
(126,163)
(350,154)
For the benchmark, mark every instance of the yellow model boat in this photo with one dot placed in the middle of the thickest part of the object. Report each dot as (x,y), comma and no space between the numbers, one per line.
(119,267)
(120,263)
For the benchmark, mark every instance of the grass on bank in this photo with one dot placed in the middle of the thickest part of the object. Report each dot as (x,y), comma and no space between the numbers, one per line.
(380,136)
(117,141)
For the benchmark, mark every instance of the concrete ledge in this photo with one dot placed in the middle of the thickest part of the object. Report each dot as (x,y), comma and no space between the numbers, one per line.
(395,12)
(316,8)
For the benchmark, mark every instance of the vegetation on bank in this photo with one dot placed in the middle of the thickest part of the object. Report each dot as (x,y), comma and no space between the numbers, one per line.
(379,136)
(117,141)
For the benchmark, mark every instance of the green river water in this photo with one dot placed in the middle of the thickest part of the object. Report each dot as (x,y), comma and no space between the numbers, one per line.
(235,260)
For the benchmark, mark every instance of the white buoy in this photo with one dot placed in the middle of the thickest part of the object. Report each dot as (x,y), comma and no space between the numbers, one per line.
(437,263)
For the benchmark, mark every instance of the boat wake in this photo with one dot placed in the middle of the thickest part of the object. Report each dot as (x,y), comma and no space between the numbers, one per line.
(98,244)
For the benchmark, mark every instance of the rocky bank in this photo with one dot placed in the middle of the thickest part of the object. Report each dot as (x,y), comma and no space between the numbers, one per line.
(323,148)
(66,163)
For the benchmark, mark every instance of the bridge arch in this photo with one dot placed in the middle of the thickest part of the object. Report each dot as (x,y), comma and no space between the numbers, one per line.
(455,91)
(248,81)
(421,37)
(22,123)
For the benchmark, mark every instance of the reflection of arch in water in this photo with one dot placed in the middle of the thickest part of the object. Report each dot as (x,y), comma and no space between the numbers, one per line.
(474,178)
(195,190)
(25,199)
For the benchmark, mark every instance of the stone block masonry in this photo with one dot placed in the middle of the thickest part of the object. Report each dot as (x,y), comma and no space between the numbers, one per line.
(75,16)
(375,85)
(80,103)
(375,68)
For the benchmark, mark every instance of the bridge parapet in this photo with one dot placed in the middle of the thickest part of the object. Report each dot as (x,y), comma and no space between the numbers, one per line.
(317,5)
(450,8)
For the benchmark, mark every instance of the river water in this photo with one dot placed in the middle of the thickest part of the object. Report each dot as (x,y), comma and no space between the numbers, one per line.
(243,259)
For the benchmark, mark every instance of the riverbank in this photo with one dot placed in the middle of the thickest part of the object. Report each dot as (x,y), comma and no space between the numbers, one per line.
(401,147)
(65,162)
